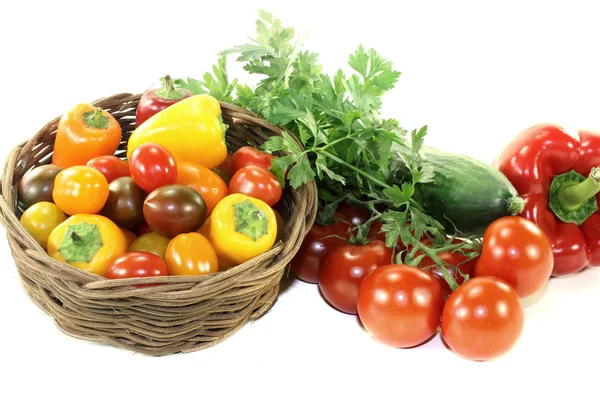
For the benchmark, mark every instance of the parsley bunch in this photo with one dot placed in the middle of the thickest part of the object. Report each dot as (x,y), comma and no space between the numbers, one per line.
(348,148)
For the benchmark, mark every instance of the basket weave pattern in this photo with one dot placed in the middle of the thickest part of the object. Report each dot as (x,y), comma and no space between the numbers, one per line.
(184,313)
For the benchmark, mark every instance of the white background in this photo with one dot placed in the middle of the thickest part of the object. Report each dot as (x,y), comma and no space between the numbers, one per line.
(475,72)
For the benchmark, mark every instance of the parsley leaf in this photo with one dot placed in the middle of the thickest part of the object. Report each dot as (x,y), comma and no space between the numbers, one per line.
(353,153)
(217,86)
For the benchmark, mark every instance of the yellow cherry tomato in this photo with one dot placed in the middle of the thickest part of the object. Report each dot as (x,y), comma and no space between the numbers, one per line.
(241,228)
(151,242)
(88,242)
(40,220)
(191,254)
(80,190)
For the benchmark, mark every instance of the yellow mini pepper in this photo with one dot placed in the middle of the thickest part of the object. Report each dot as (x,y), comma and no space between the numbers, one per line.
(87,241)
(241,228)
(191,129)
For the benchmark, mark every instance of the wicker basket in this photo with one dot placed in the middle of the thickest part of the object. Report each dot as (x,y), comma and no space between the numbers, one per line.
(185,313)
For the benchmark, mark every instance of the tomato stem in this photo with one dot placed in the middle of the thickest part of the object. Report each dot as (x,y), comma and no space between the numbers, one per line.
(357,170)
(433,254)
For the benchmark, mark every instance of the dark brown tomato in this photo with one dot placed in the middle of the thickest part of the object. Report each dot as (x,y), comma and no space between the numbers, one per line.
(320,239)
(174,209)
(125,203)
(37,185)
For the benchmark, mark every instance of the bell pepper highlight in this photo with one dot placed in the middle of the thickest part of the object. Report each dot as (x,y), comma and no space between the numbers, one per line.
(192,130)
(557,175)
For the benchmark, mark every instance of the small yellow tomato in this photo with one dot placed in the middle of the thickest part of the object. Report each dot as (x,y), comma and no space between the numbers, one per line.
(40,220)
(151,242)
(191,254)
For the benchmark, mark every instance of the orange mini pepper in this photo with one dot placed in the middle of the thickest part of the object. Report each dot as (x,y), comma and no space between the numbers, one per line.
(85,132)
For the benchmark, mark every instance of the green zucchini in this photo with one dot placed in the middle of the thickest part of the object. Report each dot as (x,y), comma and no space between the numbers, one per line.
(466,194)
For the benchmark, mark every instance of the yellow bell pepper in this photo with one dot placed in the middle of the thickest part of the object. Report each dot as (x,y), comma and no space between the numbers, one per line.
(191,129)
(241,228)
(87,241)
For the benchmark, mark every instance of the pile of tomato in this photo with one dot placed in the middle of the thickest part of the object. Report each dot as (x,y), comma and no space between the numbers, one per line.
(405,306)
(158,212)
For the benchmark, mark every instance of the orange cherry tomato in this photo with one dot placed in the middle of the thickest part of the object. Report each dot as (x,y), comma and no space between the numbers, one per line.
(206,182)
(191,254)
(80,190)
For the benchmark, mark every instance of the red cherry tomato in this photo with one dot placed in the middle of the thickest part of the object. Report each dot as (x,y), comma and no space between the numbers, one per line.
(353,215)
(343,269)
(483,319)
(248,155)
(400,305)
(517,251)
(152,166)
(226,166)
(306,262)
(457,262)
(111,167)
(358,216)
(256,182)
(137,264)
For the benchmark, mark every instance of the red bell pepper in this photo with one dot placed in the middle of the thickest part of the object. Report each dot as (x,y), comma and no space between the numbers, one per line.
(556,174)
(154,101)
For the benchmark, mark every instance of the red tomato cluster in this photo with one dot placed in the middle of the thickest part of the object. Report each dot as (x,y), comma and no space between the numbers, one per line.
(405,306)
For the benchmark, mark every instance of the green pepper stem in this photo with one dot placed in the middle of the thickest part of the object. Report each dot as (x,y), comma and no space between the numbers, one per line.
(168,91)
(75,237)
(95,119)
(573,197)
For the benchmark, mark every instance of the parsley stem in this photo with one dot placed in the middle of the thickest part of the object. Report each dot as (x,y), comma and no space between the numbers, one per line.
(336,142)
(441,265)
(353,168)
